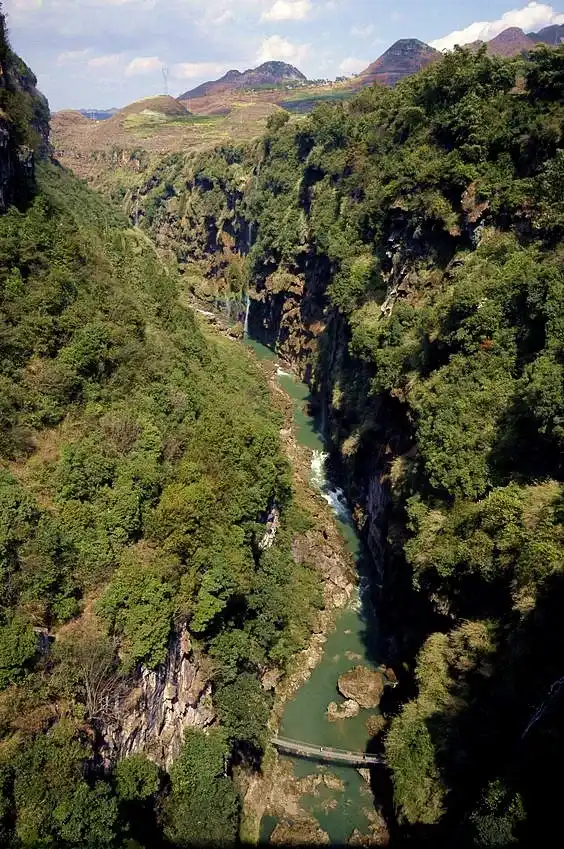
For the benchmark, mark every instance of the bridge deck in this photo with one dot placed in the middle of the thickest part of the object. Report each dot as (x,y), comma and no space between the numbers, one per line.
(324,753)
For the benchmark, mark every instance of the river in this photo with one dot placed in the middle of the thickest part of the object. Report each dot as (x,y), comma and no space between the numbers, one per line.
(346,806)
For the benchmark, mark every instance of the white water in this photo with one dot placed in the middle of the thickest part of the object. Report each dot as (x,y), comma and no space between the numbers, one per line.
(281,373)
(247,311)
(334,496)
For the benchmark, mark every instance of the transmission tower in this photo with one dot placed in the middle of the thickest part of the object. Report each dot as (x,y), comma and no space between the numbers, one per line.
(166,72)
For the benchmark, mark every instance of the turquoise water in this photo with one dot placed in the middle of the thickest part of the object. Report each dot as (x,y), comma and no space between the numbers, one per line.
(352,643)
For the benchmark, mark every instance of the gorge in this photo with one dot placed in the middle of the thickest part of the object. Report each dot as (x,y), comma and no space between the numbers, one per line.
(406,261)
(281,443)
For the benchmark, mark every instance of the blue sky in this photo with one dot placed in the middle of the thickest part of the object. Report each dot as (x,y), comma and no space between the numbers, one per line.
(102,53)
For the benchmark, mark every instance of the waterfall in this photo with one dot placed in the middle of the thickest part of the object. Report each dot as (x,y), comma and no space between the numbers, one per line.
(336,499)
(247,311)
(333,495)
(250,236)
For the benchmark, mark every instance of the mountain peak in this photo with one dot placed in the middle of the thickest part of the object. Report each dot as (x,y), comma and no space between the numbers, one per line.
(269,73)
(552,35)
(406,56)
(510,42)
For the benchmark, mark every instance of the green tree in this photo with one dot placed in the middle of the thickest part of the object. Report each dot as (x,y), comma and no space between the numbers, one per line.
(244,709)
(136,778)
(18,649)
(203,807)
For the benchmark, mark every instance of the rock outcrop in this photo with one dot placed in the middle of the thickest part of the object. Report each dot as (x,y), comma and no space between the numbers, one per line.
(152,715)
(365,686)
(345,710)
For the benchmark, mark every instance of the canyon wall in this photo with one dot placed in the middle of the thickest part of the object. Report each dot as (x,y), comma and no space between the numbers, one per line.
(24,125)
(150,715)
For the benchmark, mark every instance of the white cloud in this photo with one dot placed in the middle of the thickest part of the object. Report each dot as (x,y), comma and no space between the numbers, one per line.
(352,65)
(223,18)
(116,2)
(143,65)
(278,48)
(194,70)
(533,16)
(288,10)
(111,60)
(362,31)
(26,5)
(69,56)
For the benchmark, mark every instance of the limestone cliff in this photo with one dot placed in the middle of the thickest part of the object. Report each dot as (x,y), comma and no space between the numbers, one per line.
(151,713)
(24,125)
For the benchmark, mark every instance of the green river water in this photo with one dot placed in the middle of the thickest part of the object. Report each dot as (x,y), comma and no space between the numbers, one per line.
(352,643)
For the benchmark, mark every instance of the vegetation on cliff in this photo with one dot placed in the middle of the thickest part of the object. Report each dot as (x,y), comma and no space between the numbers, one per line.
(410,244)
(24,124)
(139,463)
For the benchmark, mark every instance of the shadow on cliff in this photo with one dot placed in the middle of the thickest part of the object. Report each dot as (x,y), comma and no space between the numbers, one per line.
(503,747)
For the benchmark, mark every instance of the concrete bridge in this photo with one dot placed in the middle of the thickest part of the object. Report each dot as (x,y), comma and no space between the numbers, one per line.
(327,754)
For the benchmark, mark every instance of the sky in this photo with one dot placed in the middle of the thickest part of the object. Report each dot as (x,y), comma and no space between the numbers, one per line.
(107,53)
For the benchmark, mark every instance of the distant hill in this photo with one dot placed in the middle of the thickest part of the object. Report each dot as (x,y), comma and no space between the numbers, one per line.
(162,104)
(553,35)
(405,57)
(98,114)
(513,41)
(270,73)
(510,42)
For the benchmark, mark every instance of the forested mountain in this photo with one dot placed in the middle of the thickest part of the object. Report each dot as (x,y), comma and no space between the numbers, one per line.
(405,253)
(139,462)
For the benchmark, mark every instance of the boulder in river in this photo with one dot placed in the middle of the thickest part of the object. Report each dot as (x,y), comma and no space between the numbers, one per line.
(363,685)
(345,710)
(390,676)
(306,832)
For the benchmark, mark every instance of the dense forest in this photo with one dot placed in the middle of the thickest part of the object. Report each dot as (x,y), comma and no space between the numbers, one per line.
(140,460)
(405,252)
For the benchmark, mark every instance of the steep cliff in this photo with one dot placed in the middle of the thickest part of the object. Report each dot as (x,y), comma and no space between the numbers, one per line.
(152,712)
(24,125)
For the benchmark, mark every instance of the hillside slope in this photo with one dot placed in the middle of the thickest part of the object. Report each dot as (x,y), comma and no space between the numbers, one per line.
(139,463)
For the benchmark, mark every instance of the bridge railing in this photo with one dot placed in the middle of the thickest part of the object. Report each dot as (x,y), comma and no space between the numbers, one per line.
(325,752)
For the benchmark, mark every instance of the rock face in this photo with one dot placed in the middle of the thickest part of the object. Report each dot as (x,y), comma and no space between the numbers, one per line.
(345,710)
(20,140)
(303,833)
(151,716)
(363,685)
